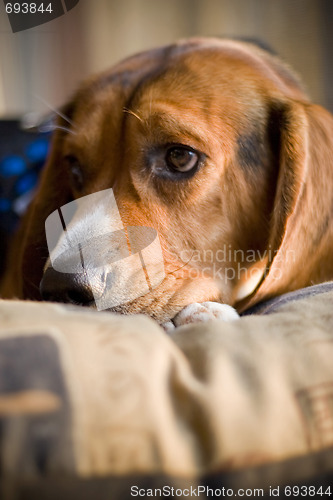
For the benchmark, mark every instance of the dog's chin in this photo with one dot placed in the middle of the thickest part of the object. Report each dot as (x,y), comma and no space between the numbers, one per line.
(159,314)
(162,304)
(168,299)
(127,309)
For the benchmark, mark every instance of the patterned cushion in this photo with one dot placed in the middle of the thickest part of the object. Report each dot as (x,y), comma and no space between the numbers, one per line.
(99,406)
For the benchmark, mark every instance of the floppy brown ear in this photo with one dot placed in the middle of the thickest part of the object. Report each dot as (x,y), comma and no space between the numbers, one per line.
(28,252)
(300,244)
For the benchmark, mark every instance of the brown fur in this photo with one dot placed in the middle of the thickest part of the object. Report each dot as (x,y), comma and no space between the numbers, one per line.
(266,182)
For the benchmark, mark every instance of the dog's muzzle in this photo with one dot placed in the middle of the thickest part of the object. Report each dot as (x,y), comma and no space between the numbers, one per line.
(73,288)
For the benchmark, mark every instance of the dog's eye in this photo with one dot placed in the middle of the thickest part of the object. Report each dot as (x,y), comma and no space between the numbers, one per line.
(75,171)
(181,159)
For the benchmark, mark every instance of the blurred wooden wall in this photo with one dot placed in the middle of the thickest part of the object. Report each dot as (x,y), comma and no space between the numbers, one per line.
(50,60)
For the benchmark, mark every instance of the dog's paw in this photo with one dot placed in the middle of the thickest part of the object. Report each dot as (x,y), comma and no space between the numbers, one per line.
(168,326)
(198,313)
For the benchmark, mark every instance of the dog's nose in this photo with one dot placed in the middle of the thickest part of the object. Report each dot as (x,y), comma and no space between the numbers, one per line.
(74,288)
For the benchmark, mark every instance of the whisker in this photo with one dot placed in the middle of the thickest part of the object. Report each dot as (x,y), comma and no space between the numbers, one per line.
(51,127)
(31,283)
(56,111)
(181,267)
(130,112)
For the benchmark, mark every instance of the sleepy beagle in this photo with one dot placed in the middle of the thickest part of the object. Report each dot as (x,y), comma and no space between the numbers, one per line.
(214,145)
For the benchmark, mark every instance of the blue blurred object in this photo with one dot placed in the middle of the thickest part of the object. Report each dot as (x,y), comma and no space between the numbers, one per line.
(12,165)
(22,156)
(37,151)
(26,182)
(5,205)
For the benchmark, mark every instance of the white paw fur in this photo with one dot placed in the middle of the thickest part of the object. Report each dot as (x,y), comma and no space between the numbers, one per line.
(198,313)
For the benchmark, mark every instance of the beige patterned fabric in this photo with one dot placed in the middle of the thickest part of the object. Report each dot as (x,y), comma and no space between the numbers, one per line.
(95,395)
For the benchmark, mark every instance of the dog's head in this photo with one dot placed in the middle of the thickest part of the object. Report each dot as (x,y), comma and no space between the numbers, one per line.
(213,144)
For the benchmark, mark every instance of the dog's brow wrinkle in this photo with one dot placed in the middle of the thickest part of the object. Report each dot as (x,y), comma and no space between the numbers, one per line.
(130,112)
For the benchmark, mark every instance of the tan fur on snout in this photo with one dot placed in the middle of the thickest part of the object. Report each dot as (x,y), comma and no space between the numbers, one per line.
(254,219)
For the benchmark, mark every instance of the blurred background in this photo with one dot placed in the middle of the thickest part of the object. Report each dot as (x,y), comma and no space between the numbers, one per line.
(44,64)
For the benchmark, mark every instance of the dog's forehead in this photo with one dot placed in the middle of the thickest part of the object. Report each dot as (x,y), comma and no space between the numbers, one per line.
(197,74)
(186,69)
(185,64)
